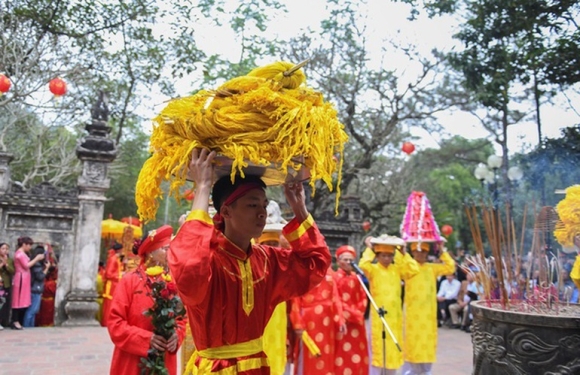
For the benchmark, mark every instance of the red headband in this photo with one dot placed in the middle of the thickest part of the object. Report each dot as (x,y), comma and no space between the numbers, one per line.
(240,191)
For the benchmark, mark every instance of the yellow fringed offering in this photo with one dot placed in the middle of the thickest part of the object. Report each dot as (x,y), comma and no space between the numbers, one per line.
(569,213)
(267,117)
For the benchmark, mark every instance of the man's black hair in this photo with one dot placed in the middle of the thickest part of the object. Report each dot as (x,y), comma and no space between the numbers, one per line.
(37,250)
(223,188)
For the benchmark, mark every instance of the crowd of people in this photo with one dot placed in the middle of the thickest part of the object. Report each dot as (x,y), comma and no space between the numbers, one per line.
(264,299)
(27,285)
(259,300)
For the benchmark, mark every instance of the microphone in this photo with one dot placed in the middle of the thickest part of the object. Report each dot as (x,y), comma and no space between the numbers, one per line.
(356,268)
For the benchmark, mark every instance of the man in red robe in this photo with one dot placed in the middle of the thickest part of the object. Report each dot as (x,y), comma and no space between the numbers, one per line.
(131,331)
(231,286)
(318,314)
(351,349)
(113,273)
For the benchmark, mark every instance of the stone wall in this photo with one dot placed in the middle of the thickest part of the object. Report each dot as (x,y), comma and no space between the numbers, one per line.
(47,215)
(70,221)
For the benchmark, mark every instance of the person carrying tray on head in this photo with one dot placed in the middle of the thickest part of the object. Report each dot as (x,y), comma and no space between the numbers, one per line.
(231,286)
(266,121)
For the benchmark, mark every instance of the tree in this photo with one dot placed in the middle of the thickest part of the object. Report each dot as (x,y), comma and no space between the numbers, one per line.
(536,42)
(375,101)
(94,46)
(127,49)
(449,183)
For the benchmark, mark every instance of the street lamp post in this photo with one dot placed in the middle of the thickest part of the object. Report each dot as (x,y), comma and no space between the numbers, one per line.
(487,174)
(494,163)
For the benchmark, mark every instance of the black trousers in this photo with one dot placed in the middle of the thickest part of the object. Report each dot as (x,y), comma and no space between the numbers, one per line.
(18,315)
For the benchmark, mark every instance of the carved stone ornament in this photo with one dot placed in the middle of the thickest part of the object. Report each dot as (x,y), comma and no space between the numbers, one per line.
(100,110)
(94,172)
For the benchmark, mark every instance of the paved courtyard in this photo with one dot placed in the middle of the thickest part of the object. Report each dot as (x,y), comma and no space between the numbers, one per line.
(88,351)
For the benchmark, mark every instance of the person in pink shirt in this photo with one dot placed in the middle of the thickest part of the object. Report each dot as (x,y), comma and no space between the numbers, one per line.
(21,281)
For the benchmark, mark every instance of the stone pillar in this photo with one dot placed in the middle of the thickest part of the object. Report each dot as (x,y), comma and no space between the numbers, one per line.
(5,159)
(96,151)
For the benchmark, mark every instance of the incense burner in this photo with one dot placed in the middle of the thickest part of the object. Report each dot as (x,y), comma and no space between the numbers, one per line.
(521,340)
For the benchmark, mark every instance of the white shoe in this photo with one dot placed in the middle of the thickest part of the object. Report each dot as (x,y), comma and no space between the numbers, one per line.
(1,328)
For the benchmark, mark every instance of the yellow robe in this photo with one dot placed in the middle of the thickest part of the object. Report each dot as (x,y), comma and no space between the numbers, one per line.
(274,339)
(420,344)
(100,290)
(575,273)
(385,287)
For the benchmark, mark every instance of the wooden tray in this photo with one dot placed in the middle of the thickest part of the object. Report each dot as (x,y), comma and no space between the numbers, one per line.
(271,175)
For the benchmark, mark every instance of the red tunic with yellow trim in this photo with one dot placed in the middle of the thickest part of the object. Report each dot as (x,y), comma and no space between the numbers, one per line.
(230,294)
(351,349)
(113,273)
(319,312)
(130,330)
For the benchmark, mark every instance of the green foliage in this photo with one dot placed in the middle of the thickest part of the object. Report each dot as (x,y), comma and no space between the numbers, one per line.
(543,36)
(123,173)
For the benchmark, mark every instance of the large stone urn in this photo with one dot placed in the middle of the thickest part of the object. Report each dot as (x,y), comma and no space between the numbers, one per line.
(512,342)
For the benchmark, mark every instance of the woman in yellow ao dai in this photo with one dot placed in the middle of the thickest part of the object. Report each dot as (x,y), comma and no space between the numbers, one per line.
(385,287)
(421,310)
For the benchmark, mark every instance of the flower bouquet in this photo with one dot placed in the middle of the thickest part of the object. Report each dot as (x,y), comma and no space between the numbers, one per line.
(167,309)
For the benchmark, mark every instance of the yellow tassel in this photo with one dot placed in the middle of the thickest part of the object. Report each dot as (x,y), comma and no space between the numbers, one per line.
(267,116)
(310,344)
(569,214)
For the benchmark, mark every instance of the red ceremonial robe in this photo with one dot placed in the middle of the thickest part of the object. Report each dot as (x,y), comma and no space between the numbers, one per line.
(130,330)
(318,312)
(230,294)
(351,349)
(113,273)
(45,316)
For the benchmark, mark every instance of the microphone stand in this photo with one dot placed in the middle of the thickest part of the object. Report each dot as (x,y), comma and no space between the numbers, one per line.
(381,312)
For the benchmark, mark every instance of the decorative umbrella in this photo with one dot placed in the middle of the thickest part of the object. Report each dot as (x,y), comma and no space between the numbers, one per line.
(111,227)
(114,229)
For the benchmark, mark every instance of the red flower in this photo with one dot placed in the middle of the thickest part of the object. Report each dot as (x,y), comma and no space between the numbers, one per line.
(171,287)
(165,293)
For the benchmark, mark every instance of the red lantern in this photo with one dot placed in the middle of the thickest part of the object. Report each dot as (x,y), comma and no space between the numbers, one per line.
(189,194)
(447,230)
(408,148)
(366,226)
(4,84)
(57,86)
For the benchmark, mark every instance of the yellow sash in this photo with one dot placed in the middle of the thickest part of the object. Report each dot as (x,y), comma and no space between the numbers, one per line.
(310,344)
(242,349)
(107,293)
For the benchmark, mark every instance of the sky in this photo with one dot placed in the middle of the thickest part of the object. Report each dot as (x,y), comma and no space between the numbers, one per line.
(388,20)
